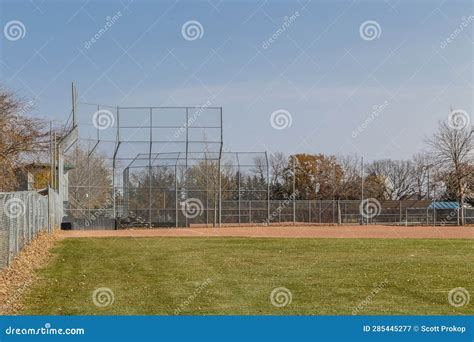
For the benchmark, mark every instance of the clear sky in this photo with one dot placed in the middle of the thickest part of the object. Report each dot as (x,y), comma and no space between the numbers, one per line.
(312,59)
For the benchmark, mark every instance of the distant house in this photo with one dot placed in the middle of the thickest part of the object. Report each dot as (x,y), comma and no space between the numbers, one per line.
(36,177)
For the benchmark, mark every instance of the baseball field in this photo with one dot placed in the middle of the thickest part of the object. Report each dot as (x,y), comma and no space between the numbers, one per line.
(270,271)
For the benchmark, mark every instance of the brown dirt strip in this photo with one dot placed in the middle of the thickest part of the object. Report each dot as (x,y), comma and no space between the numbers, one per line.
(17,278)
(358,232)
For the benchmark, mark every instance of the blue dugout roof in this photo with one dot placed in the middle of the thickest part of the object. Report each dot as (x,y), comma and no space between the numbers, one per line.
(444,205)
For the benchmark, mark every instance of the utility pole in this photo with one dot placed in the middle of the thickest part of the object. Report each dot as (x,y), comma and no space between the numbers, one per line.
(294,189)
(50,154)
(362,181)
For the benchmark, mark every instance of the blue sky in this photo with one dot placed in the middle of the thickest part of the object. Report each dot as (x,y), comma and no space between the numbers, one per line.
(320,70)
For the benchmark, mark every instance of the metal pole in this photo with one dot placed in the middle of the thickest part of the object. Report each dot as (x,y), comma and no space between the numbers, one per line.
(176,193)
(294,189)
(117,141)
(207,192)
(238,184)
(362,182)
(220,180)
(429,193)
(401,212)
(220,193)
(73,94)
(149,171)
(309,212)
(53,162)
(50,153)
(186,169)
(268,187)
(250,211)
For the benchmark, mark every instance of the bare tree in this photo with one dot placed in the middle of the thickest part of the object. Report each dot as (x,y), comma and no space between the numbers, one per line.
(397,176)
(451,149)
(349,184)
(278,164)
(22,138)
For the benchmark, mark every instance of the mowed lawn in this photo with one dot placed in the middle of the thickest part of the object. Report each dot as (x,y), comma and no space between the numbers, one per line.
(237,276)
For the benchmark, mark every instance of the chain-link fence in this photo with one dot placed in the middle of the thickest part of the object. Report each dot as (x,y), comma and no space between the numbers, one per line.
(277,212)
(350,212)
(22,216)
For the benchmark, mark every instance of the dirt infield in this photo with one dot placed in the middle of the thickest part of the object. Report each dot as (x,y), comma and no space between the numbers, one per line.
(358,232)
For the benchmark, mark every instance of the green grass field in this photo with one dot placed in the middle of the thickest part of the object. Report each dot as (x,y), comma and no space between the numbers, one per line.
(237,276)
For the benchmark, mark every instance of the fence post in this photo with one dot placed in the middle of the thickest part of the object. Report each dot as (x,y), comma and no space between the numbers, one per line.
(319,205)
(294,211)
(309,213)
(339,222)
(400,220)
(250,211)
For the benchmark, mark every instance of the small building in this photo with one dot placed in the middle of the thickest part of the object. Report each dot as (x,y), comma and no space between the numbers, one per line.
(37,176)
